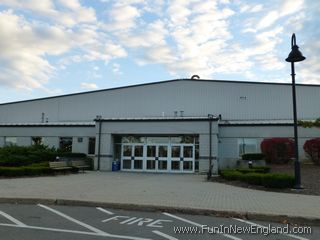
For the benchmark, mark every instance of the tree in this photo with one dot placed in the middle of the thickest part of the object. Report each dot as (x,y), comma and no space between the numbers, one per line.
(278,150)
(310,124)
(312,148)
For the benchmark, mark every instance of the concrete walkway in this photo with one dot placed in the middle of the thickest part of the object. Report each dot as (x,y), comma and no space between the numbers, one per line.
(166,190)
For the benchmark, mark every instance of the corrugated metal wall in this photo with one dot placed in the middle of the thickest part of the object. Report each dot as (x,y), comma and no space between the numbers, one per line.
(240,101)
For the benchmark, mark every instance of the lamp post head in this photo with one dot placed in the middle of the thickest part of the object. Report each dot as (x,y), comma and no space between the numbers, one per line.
(295,55)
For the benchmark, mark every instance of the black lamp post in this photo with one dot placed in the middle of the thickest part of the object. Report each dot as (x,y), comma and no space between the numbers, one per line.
(295,56)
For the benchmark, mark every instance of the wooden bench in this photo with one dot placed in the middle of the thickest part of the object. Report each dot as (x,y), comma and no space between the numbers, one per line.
(60,166)
(80,164)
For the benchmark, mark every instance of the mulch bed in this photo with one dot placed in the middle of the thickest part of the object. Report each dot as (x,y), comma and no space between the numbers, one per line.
(310,179)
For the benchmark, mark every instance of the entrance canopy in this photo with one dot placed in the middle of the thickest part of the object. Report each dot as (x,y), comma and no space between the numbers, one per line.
(175,145)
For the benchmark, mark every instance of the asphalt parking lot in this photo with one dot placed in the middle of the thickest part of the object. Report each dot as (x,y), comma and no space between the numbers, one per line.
(67,222)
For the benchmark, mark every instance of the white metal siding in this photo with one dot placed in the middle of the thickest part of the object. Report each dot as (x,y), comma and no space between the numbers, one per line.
(196,98)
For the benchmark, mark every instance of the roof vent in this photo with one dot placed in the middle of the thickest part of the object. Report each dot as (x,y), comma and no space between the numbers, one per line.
(195,77)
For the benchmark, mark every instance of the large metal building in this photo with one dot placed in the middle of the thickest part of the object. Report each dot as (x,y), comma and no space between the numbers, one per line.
(168,126)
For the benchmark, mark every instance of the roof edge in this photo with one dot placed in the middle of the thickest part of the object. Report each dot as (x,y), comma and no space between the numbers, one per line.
(158,82)
(158,119)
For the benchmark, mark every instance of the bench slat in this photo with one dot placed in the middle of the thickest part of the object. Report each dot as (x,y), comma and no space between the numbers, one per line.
(59,165)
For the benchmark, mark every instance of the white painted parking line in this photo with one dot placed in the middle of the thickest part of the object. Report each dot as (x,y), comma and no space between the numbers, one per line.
(198,225)
(73,231)
(51,229)
(12,219)
(255,224)
(166,236)
(95,231)
(139,221)
(105,211)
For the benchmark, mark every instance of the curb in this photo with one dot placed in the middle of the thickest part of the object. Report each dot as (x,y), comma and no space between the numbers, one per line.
(152,208)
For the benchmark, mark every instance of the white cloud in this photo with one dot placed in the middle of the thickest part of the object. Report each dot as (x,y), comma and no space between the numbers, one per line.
(288,7)
(89,86)
(308,71)
(268,20)
(267,41)
(291,6)
(116,69)
(178,12)
(122,17)
(153,35)
(72,14)
(26,44)
(186,37)
(248,8)
(270,62)
(22,62)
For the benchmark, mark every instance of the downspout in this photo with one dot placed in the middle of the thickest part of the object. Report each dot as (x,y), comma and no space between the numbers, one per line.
(99,141)
(210,116)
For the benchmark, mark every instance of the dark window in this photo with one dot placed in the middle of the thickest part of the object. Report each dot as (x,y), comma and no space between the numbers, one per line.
(65,144)
(175,151)
(138,151)
(91,145)
(117,152)
(36,140)
(151,151)
(127,150)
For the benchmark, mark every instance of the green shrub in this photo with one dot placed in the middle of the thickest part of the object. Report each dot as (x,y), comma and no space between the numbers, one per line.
(25,171)
(252,178)
(253,156)
(278,180)
(16,156)
(261,169)
(71,155)
(231,174)
(11,171)
(14,160)
(258,169)
(269,180)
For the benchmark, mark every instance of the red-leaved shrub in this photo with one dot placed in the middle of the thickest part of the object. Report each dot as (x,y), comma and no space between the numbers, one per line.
(278,150)
(312,148)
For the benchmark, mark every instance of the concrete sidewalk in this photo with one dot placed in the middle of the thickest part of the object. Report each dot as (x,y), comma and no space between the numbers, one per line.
(160,191)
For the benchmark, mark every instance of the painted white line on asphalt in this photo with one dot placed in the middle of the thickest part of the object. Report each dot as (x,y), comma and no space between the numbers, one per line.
(105,211)
(93,229)
(198,225)
(12,219)
(255,224)
(51,229)
(184,220)
(73,231)
(231,237)
(166,236)
(96,231)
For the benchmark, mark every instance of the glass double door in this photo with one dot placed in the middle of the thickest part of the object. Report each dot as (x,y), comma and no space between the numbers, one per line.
(157,157)
(182,158)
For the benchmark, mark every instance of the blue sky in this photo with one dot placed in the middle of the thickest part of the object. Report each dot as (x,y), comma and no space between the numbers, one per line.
(53,47)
